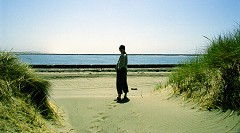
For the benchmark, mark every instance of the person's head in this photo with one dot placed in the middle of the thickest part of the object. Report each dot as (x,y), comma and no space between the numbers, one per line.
(122,48)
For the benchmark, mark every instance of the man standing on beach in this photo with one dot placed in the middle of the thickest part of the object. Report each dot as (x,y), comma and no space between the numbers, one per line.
(121,69)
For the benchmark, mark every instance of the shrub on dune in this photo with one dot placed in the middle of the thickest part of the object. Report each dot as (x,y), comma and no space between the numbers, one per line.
(213,79)
(18,80)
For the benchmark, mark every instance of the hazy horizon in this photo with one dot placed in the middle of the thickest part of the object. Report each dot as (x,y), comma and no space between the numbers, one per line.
(100,26)
(40,53)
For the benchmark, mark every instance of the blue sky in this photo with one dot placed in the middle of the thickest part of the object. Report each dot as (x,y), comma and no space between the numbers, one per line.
(100,26)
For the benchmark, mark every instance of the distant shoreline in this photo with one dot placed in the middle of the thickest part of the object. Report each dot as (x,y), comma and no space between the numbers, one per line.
(107,66)
(30,53)
(155,70)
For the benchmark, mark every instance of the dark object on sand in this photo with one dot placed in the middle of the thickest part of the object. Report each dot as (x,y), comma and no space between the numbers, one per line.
(133,88)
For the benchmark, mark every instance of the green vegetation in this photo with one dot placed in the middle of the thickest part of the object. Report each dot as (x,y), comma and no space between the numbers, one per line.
(212,79)
(23,97)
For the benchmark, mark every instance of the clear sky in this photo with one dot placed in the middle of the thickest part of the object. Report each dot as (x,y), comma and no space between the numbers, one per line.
(100,26)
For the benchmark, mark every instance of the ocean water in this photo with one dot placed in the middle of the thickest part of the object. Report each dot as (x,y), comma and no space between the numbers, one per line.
(100,59)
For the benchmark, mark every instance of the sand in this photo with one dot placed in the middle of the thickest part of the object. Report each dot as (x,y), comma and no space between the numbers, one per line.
(88,102)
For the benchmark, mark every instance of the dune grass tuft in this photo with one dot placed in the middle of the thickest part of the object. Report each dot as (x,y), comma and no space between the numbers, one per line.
(23,97)
(213,78)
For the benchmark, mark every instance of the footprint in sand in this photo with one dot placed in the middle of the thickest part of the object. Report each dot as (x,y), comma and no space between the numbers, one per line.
(105,117)
(135,114)
(112,105)
(99,119)
(97,115)
(96,121)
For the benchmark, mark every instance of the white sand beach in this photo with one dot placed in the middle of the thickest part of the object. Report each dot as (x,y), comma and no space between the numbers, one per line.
(87,99)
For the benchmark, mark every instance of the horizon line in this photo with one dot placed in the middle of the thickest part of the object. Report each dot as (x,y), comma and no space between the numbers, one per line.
(41,53)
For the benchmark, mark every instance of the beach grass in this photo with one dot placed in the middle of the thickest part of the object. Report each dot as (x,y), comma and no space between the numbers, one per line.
(23,97)
(213,78)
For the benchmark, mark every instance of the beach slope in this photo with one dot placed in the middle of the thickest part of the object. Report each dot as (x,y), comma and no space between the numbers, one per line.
(88,102)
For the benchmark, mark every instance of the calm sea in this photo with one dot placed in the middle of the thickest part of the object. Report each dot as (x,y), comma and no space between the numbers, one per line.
(100,59)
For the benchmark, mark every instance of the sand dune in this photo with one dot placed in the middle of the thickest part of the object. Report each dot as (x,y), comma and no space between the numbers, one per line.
(89,107)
